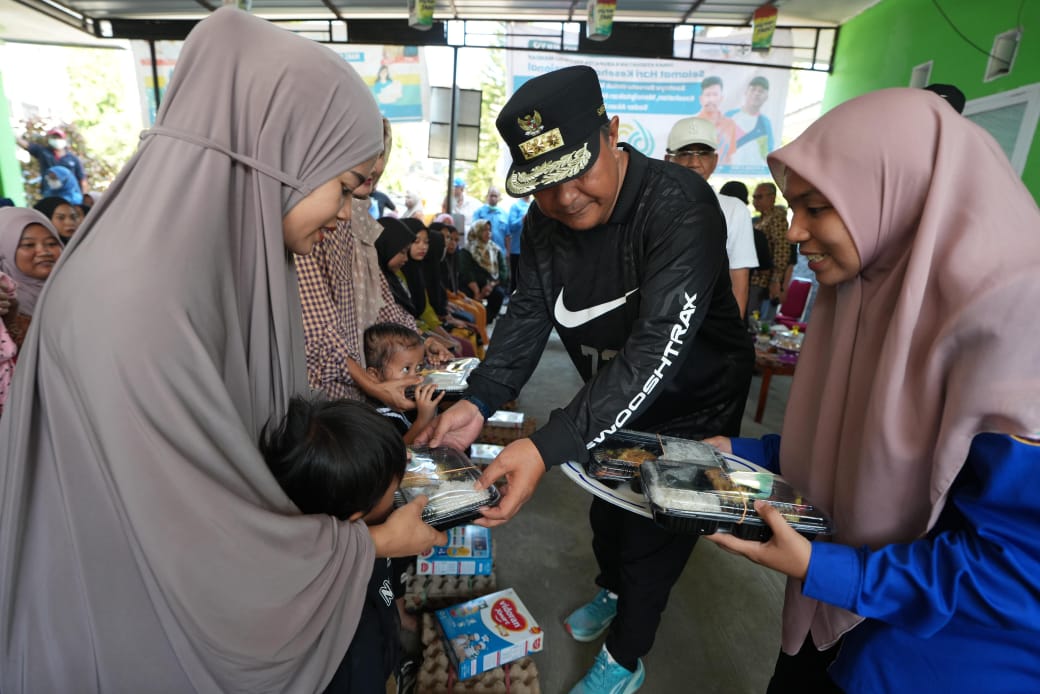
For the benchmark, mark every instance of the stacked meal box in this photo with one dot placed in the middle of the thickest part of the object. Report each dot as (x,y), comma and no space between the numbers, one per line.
(701,499)
(691,488)
(452,378)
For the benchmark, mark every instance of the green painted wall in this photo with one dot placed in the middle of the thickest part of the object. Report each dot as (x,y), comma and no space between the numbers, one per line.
(880,47)
(10,170)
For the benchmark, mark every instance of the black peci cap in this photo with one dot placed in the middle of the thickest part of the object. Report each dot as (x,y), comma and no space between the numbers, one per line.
(551,124)
(953,95)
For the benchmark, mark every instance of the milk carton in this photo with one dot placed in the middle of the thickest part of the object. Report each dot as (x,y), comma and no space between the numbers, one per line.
(484,453)
(487,632)
(468,553)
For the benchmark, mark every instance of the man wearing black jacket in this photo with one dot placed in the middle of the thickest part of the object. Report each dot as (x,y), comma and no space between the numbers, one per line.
(625,257)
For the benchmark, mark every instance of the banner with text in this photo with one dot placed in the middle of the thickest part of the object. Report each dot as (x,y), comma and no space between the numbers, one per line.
(396,75)
(746,103)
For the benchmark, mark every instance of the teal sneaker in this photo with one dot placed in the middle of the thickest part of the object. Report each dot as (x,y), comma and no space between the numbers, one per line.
(588,622)
(607,677)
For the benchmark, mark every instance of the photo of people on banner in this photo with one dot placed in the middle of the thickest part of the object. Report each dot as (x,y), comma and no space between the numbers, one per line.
(395,74)
(746,103)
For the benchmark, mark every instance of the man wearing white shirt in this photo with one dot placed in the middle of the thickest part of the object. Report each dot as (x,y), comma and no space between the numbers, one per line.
(692,144)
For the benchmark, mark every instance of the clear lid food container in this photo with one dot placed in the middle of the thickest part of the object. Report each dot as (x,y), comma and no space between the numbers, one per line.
(700,499)
(446,477)
(788,340)
(621,454)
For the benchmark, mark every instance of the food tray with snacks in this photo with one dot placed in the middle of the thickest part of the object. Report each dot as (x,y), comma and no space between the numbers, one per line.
(701,499)
(451,378)
(621,454)
(788,340)
(446,477)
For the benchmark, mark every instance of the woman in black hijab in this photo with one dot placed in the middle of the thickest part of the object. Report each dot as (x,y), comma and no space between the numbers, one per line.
(65,216)
(392,247)
(422,275)
(431,270)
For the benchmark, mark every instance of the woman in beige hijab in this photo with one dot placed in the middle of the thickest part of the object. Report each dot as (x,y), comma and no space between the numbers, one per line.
(144,545)
(482,268)
(914,416)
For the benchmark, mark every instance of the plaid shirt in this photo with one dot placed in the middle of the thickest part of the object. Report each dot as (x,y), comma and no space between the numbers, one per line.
(330,324)
(327,297)
(393,312)
(774,224)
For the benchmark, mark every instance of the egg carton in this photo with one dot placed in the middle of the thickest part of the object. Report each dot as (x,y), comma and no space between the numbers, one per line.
(436,675)
(434,592)
(503,436)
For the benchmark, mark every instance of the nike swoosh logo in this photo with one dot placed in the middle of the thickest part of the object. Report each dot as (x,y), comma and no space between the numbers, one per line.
(572,319)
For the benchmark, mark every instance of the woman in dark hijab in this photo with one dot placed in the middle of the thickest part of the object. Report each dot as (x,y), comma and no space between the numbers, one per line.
(392,247)
(65,216)
(145,546)
(413,269)
(430,267)
(424,269)
(449,263)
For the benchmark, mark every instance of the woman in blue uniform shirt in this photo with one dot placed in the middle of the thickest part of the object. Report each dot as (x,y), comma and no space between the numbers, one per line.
(914,415)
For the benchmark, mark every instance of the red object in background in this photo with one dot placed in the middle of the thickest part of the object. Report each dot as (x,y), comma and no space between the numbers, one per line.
(790,312)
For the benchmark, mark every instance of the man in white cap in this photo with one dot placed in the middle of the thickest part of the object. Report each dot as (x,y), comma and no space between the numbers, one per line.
(692,143)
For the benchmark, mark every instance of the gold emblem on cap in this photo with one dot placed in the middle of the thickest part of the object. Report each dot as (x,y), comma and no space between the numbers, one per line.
(601,110)
(540,144)
(531,124)
(550,172)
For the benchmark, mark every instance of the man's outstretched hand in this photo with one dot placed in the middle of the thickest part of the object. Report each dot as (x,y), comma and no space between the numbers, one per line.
(521,465)
(457,427)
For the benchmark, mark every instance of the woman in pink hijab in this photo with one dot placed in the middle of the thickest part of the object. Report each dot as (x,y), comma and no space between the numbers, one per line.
(914,416)
(145,546)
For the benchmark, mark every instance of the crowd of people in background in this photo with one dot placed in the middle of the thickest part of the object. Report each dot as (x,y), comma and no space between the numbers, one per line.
(447,280)
(449,275)
(456,269)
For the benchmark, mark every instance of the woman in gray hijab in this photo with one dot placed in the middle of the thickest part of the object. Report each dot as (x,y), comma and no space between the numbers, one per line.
(144,545)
